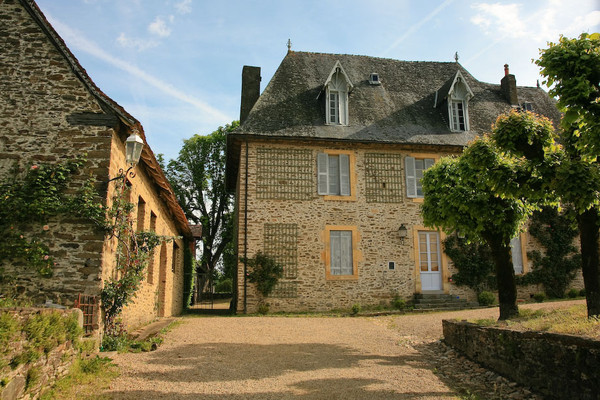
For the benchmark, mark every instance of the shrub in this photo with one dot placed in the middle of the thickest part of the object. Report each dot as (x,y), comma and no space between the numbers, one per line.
(265,272)
(573,293)
(582,293)
(263,308)
(476,268)
(355,308)
(224,286)
(486,298)
(539,297)
(398,303)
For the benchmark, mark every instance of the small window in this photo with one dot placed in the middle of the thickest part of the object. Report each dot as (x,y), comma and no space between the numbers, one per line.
(391,265)
(374,79)
(458,115)
(527,106)
(334,174)
(414,168)
(517,255)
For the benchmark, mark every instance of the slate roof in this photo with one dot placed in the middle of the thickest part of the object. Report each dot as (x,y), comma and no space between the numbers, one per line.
(400,110)
(148,159)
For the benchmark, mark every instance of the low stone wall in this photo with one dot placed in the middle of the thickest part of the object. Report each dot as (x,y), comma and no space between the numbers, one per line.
(557,366)
(26,380)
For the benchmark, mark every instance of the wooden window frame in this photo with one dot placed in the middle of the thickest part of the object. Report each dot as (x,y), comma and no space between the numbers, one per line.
(352,176)
(356,254)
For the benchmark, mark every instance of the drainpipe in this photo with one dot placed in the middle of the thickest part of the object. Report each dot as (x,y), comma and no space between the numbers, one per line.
(246,233)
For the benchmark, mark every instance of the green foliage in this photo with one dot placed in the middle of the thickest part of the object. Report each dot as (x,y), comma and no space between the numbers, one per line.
(539,297)
(224,286)
(263,308)
(355,308)
(198,180)
(572,71)
(557,266)
(10,330)
(265,272)
(474,262)
(398,303)
(572,293)
(582,292)
(29,199)
(33,377)
(133,252)
(486,298)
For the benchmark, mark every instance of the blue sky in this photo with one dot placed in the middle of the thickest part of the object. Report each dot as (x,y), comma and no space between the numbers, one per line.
(176,65)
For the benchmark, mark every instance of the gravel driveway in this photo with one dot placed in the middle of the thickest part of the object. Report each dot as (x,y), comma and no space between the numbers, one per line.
(392,357)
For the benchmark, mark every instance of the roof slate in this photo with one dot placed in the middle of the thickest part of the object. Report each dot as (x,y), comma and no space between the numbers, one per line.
(400,110)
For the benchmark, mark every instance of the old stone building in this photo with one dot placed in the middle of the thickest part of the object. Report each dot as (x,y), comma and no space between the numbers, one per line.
(51,111)
(326,168)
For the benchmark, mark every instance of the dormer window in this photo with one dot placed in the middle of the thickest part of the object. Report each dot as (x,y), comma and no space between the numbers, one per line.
(374,79)
(337,87)
(457,94)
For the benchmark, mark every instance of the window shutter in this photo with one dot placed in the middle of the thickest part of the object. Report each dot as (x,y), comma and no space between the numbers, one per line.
(517,256)
(411,180)
(344,175)
(323,173)
(346,266)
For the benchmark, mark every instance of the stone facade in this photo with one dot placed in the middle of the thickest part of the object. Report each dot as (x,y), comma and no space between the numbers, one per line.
(51,111)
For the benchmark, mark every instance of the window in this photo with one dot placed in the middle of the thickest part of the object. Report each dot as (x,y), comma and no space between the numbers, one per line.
(141,214)
(341,254)
(458,115)
(335,171)
(517,255)
(429,251)
(414,168)
(337,99)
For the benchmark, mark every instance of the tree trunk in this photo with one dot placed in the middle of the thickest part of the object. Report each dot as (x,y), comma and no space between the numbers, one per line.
(589,228)
(505,275)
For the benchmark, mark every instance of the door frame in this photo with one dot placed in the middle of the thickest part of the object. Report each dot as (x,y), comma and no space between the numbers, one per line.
(445,285)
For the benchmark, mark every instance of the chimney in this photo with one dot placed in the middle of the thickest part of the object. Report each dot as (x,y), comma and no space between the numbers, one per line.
(508,85)
(250,90)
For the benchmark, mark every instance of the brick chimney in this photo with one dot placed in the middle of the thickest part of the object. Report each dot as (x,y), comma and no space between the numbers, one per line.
(250,90)
(508,84)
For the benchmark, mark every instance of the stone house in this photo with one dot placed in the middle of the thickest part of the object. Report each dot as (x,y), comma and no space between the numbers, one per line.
(51,111)
(326,168)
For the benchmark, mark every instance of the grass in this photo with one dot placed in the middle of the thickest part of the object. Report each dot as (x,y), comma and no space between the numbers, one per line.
(572,321)
(87,379)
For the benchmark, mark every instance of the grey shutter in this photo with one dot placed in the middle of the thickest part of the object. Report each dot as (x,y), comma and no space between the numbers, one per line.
(411,180)
(334,175)
(346,253)
(323,173)
(517,256)
(344,175)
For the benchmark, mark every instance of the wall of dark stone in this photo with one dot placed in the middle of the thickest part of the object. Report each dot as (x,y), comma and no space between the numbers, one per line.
(557,366)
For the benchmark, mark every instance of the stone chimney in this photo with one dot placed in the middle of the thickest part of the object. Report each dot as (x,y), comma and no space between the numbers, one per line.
(508,84)
(250,90)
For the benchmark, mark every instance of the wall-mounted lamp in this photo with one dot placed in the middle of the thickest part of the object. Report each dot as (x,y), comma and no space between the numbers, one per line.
(403,233)
(133,150)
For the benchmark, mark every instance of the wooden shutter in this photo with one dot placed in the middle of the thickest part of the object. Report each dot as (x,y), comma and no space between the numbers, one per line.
(344,175)
(411,179)
(323,173)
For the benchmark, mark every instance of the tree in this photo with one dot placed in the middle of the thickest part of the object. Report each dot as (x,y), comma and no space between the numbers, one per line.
(572,70)
(198,180)
(461,196)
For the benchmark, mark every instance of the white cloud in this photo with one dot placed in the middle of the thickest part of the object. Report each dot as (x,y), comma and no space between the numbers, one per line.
(77,40)
(138,44)
(503,18)
(184,7)
(159,27)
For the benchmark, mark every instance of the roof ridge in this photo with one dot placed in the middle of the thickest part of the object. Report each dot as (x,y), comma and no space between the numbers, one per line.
(372,57)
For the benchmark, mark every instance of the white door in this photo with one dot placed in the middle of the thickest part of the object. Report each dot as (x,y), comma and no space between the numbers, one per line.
(430,261)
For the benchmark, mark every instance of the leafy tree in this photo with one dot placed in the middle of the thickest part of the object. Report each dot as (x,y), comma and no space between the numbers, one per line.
(198,180)
(461,196)
(556,267)
(474,262)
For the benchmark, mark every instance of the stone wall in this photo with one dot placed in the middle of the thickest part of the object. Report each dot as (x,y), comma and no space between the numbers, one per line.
(26,381)
(557,366)
(40,93)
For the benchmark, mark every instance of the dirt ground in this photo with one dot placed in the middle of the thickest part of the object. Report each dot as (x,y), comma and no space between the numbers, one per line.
(392,357)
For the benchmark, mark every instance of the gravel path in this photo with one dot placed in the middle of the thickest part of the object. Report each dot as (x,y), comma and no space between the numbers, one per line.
(392,357)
